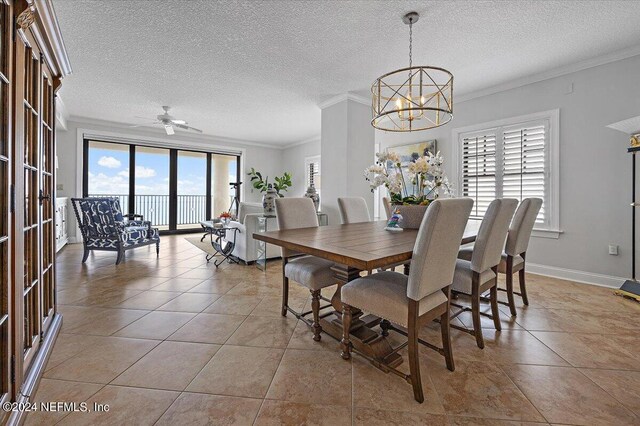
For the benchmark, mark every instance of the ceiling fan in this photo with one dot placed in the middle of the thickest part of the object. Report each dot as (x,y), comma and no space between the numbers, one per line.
(169,122)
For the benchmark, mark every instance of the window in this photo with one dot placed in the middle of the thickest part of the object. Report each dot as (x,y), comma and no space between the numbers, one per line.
(173,188)
(312,172)
(513,158)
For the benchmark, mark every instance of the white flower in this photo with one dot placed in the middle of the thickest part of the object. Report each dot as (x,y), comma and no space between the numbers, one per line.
(395,183)
(393,157)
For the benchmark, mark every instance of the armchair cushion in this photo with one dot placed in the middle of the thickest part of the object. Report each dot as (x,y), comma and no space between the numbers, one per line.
(385,295)
(248,208)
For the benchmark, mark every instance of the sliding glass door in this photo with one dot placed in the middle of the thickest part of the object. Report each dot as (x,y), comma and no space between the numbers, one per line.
(191,189)
(151,185)
(174,189)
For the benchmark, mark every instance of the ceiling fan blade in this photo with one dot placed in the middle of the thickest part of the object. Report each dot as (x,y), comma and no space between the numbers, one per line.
(169,129)
(144,124)
(145,118)
(178,121)
(182,126)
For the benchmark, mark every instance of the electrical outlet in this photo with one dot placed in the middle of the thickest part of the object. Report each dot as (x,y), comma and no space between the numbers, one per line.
(613,250)
(60,187)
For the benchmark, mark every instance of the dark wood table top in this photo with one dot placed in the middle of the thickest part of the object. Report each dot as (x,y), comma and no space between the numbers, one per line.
(364,245)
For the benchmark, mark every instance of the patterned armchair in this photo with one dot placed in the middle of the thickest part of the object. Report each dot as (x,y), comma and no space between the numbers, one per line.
(103,227)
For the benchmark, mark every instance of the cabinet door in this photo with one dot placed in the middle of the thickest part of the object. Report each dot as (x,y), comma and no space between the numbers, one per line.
(6,240)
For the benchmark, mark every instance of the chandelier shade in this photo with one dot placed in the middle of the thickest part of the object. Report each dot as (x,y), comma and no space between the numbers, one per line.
(413,98)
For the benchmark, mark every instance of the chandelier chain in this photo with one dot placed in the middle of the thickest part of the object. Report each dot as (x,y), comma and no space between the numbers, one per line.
(410,42)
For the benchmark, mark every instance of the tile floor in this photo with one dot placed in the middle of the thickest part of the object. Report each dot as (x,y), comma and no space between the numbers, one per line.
(172,340)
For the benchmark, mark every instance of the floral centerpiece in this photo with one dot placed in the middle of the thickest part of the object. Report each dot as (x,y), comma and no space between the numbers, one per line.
(417,183)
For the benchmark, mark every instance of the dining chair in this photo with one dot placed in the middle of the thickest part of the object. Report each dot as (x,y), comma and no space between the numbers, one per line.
(353,210)
(311,272)
(422,296)
(479,274)
(514,257)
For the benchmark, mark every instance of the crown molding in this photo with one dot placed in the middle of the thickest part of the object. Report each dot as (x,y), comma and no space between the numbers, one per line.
(56,52)
(153,132)
(617,55)
(302,142)
(344,97)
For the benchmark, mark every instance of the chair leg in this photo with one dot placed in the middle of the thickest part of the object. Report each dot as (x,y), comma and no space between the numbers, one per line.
(345,343)
(523,288)
(475,310)
(414,360)
(285,290)
(509,279)
(315,308)
(120,256)
(495,312)
(158,248)
(446,340)
(85,256)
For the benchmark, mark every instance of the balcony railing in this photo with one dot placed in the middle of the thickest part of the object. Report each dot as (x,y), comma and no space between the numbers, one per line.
(191,208)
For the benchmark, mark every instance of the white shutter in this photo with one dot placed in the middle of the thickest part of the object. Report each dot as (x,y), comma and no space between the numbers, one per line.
(524,164)
(479,170)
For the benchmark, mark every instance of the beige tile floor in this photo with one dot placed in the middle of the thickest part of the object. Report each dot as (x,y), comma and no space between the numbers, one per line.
(172,340)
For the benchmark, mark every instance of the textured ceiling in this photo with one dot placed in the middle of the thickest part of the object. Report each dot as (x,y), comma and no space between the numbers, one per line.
(256,70)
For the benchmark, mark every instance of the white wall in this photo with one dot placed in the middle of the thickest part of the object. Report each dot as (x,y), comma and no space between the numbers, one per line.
(265,159)
(293,161)
(595,170)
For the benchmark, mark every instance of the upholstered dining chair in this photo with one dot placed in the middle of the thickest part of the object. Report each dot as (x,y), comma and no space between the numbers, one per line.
(479,274)
(422,296)
(353,210)
(513,258)
(312,272)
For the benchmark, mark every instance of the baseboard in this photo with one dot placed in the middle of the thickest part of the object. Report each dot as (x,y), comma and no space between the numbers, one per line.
(575,275)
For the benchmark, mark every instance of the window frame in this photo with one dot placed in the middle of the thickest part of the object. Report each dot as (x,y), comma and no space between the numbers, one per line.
(552,158)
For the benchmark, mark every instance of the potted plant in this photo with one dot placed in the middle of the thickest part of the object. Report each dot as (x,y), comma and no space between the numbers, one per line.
(410,196)
(271,191)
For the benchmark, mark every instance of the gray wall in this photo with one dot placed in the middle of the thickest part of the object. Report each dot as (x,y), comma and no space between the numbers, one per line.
(347,148)
(266,160)
(595,170)
(293,161)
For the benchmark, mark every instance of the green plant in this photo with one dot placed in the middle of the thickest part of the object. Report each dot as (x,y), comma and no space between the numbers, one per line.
(283,183)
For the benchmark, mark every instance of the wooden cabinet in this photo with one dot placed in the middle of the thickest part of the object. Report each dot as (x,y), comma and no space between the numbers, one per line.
(62,235)
(32,64)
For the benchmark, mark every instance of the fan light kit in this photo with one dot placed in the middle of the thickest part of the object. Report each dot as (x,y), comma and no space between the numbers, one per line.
(169,122)
(413,98)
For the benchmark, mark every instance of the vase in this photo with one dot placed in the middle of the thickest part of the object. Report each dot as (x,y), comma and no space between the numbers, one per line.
(269,202)
(411,215)
(315,197)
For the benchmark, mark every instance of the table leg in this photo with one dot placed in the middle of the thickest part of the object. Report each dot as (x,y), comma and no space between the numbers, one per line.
(363,338)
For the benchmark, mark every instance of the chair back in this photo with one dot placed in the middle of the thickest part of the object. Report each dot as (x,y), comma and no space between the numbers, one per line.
(522,226)
(387,207)
(96,217)
(436,249)
(487,250)
(294,213)
(353,210)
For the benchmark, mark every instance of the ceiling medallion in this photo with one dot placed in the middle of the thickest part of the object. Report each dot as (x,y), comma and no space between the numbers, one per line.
(413,98)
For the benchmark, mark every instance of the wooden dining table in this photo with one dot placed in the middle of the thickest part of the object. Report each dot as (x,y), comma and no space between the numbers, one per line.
(354,248)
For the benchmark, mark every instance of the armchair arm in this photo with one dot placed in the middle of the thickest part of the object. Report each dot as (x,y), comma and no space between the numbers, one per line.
(133,216)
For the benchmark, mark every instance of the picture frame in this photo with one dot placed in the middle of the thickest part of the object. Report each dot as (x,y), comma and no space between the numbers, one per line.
(410,152)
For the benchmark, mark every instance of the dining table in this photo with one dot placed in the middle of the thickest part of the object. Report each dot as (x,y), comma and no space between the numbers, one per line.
(354,248)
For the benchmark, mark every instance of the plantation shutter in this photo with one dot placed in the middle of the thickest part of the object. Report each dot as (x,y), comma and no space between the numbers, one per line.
(524,164)
(479,171)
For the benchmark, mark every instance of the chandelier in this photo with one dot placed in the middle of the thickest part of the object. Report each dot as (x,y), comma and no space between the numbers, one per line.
(413,98)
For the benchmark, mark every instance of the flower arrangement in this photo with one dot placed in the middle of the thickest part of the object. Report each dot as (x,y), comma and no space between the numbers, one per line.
(225,215)
(425,179)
